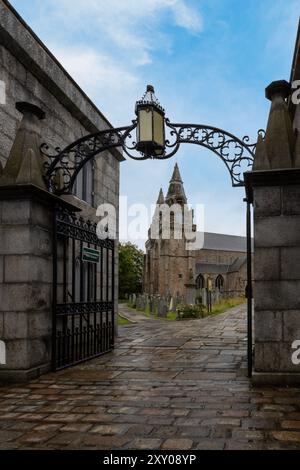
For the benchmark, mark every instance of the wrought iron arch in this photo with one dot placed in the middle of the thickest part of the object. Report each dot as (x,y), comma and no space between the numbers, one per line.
(62,168)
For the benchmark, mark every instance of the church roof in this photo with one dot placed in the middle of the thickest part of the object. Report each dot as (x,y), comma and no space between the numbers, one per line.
(211,268)
(215,268)
(222,242)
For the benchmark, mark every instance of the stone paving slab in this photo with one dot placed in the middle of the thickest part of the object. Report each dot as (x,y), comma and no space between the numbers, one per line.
(167,385)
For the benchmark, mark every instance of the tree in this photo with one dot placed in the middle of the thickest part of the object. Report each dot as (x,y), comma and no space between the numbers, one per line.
(131,260)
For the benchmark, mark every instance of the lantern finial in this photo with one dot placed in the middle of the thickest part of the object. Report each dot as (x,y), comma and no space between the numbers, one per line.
(151,125)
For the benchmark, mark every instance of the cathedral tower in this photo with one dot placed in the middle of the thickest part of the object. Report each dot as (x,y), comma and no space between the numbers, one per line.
(169,266)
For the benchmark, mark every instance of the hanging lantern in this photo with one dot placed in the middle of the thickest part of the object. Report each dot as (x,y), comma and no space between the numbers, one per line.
(150,125)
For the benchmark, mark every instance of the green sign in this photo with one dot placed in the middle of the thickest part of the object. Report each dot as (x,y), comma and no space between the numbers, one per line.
(90,255)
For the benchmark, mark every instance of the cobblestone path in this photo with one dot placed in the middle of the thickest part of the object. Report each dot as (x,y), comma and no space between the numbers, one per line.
(167,385)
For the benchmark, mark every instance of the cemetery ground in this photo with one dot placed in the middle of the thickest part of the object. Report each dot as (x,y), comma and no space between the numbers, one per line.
(132,310)
(167,385)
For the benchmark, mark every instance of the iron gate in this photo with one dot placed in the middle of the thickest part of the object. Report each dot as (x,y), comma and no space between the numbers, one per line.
(83,291)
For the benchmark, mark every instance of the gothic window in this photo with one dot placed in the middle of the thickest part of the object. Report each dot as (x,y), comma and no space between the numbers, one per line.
(219,282)
(200,282)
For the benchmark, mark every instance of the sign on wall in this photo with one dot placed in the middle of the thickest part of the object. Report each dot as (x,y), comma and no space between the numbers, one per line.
(90,255)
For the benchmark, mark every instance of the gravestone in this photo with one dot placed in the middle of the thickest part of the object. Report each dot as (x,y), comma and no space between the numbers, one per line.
(151,305)
(162,308)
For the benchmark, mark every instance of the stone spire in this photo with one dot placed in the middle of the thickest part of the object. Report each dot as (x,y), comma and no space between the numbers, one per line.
(176,194)
(280,137)
(161,198)
(24,164)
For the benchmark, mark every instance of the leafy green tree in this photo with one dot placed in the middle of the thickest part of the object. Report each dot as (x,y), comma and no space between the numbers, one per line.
(131,260)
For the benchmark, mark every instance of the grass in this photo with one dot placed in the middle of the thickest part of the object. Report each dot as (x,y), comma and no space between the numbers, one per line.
(123,321)
(225,304)
(171,316)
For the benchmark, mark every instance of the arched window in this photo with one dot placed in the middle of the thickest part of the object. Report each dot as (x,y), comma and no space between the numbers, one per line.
(200,282)
(220,282)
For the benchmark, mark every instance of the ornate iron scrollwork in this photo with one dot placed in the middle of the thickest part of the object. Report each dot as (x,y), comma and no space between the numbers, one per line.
(236,153)
(62,169)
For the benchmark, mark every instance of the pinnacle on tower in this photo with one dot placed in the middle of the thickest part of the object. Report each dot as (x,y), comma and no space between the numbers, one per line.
(176,194)
(176,174)
(161,198)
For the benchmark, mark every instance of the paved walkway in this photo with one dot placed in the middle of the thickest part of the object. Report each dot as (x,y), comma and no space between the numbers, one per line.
(133,315)
(168,385)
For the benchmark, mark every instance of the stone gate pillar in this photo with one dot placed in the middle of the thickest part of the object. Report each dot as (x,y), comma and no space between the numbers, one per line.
(26,221)
(274,188)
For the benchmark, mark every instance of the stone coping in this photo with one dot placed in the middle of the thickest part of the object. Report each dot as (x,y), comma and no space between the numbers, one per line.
(275,378)
(30,191)
(289,176)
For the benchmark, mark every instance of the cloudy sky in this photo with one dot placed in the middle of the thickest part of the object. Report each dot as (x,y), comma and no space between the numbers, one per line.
(209,61)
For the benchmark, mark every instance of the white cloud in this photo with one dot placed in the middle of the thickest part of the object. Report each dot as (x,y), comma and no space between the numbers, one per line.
(131,25)
(280,45)
(107,82)
(186,17)
(94,71)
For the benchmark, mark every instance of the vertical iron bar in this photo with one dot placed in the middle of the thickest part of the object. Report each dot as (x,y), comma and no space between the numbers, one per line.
(107,296)
(101,297)
(81,288)
(113,295)
(54,287)
(249,290)
(101,275)
(89,298)
(95,300)
(73,295)
(65,297)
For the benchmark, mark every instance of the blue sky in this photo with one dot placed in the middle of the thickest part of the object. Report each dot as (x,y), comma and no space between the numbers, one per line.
(209,60)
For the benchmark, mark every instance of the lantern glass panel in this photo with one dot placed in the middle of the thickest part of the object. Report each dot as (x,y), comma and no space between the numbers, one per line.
(158,122)
(145,125)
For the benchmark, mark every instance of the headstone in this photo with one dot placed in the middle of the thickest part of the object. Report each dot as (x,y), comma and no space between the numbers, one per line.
(147,303)
(142,302)
(162,308)
(190,294)
(151,305)
(155,306)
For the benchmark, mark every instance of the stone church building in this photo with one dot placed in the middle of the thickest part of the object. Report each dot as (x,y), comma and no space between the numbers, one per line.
(172,269)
